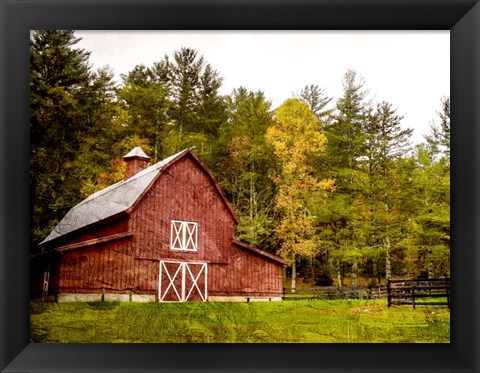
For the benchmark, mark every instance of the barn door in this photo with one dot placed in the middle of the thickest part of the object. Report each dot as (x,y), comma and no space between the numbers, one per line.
(46,280)
(182,281)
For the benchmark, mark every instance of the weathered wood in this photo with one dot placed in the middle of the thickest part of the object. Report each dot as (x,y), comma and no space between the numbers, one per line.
(93,242)
(406,291)
(123,255)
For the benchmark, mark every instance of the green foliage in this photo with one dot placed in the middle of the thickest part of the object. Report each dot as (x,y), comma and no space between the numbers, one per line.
(245,163)
(63,108)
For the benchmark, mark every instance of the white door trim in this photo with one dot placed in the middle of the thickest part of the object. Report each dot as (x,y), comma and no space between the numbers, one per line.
(183,270)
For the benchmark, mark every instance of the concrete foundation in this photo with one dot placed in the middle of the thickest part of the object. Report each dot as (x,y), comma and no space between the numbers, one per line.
(220,298)
(108,297)
(145,298)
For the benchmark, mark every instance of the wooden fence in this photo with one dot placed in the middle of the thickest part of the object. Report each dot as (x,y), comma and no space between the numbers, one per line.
(336,292)
(416,292)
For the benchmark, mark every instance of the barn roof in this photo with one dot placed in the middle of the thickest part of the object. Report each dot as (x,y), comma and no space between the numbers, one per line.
(248,247)
(118,198)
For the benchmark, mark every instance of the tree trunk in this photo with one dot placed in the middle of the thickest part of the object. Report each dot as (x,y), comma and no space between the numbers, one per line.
(388,264)
(339,273)
(294,273)
(430,265)
(354,273)
(253,208)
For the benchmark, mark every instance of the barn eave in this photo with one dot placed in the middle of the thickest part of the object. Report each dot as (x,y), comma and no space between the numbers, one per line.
(56,242)
(264,254)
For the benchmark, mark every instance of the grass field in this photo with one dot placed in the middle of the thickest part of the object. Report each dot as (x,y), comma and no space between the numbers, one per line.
(317,321)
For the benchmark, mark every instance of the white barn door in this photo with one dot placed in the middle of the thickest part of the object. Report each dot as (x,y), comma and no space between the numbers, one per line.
(182,281)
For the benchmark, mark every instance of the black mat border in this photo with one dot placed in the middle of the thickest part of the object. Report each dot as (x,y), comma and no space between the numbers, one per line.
(18,17)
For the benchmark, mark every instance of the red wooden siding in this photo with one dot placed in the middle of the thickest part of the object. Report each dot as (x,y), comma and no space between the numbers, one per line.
(106,266)
(184,192)
(245,274)
(101,230)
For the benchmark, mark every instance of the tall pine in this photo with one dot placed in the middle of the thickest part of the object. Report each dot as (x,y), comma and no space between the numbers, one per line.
(59,93)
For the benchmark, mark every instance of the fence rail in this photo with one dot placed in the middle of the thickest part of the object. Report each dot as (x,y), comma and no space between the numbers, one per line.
(336,292)
(415,292)
(407,291)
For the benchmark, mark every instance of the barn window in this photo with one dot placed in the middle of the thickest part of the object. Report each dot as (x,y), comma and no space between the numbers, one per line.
(183,235)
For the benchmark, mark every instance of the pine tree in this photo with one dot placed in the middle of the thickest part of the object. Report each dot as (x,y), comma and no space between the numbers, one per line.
(345,152)
(386,142)
(59,94)
(144,97)
(317,101)
(245,164)
(439,139)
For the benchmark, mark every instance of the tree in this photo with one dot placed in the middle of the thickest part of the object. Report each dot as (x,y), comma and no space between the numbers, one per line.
(346,137)
(175,104)
(428,242)
(439,139)
(59,95)
(315,98)
(198,107)
(295,138)
(346,150)
(144,97)
(245,163)
(386,142)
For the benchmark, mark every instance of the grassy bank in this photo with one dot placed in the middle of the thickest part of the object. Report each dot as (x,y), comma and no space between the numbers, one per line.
(341,321)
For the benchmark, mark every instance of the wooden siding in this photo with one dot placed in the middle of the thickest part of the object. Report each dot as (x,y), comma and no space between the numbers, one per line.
(245,274)
(184,192)
(108,228)
(105,266)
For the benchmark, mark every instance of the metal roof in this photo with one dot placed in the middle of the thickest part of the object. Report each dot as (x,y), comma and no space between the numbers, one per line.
(136,152)
(109,201)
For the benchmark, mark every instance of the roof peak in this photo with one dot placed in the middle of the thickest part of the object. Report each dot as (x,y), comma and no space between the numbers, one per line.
(136,152)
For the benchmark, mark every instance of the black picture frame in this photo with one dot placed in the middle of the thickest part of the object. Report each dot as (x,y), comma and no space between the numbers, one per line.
(17,17)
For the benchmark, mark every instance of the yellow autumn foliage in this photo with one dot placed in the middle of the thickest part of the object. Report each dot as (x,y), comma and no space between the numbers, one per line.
(294,138)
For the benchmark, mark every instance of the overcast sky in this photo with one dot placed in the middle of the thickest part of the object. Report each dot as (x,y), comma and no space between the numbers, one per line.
(409,69)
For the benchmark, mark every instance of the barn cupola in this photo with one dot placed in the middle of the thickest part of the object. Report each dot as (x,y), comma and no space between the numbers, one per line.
(136,160)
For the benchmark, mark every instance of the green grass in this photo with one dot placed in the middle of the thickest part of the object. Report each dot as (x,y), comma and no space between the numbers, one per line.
(317,321)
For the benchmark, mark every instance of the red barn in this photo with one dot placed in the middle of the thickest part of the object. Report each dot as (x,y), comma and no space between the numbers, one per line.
(164,233)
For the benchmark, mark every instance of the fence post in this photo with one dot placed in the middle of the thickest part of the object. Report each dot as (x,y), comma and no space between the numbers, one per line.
(389,294)
(413,293)
(447,291)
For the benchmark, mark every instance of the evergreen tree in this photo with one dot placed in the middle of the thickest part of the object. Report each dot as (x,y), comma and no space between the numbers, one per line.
(175,104)
(246,163)
(59,94)
(386,142)
(317,101)
(345,153)
(439,139)
(144,97)
(428,244)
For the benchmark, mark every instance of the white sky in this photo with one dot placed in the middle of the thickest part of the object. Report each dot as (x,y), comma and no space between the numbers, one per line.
(410,69)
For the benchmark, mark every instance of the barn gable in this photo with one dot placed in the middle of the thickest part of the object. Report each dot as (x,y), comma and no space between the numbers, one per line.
(121,197)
